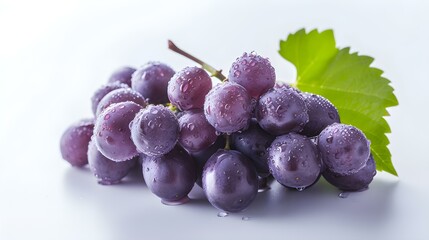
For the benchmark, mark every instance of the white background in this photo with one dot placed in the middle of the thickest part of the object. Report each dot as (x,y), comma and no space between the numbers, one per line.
(54,54)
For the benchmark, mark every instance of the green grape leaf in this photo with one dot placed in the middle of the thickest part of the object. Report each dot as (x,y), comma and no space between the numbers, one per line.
(358,90)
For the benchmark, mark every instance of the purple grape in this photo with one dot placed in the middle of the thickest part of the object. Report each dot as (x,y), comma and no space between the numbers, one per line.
(230,181)
(294,161)
(253,143)
(188,88)
(103,91)
(355,181)
(170,176)
(228,107)
(120,95)
(105,170)
(344,149)
(74,142)
(196,134)
(281,110)
(112,132)
(254,73)
(122,75)
(202,156)
(155,130)
(321,113)
(151,81)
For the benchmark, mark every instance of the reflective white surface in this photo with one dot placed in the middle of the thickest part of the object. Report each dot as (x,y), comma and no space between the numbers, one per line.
(54,54)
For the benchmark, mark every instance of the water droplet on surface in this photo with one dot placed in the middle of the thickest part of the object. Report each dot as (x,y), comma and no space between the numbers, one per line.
(300,189)
(343,194)
(245,218)
(222,214)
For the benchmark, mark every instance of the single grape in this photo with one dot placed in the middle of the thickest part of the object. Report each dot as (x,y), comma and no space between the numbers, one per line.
(254,73)
(188,88)
(170,176)
(202,156)
(253,143)
(112,132)
(120,95)
(122,75)
(105,170)
(74,142)
(281,110)
(321,113)
(294,161)
(151,81)
(228,107)
(344,149)
(155,130)
(354,181)
(230,181)
(103,91)
(196,134)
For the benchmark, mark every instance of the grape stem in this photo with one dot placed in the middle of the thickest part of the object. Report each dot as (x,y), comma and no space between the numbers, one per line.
(227,142)
(214,72)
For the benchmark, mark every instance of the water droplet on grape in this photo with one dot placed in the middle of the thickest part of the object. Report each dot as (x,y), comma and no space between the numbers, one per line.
(329,139)
(337,155)
(300,189)
(109,140)
(107,117)
(237,73)
(184,87)
(154,111)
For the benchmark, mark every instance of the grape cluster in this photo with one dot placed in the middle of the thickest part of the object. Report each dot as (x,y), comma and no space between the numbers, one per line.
(228,138)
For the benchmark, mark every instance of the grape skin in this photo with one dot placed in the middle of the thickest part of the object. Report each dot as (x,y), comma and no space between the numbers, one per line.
(254,73)
(170,176)
(294,161)
(112,133)
(103,91)
(344,148)
(281,110)
(120,95)
(155,130)
(321,113)
(203,156)
(253,143)
(196,134)
(355,181)
(74,142)
(228,107)
(229,181)
(151,81)
(107,172)
(187,88)
(122,75)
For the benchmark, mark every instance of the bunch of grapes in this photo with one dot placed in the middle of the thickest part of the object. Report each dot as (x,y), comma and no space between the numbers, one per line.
(229,139)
